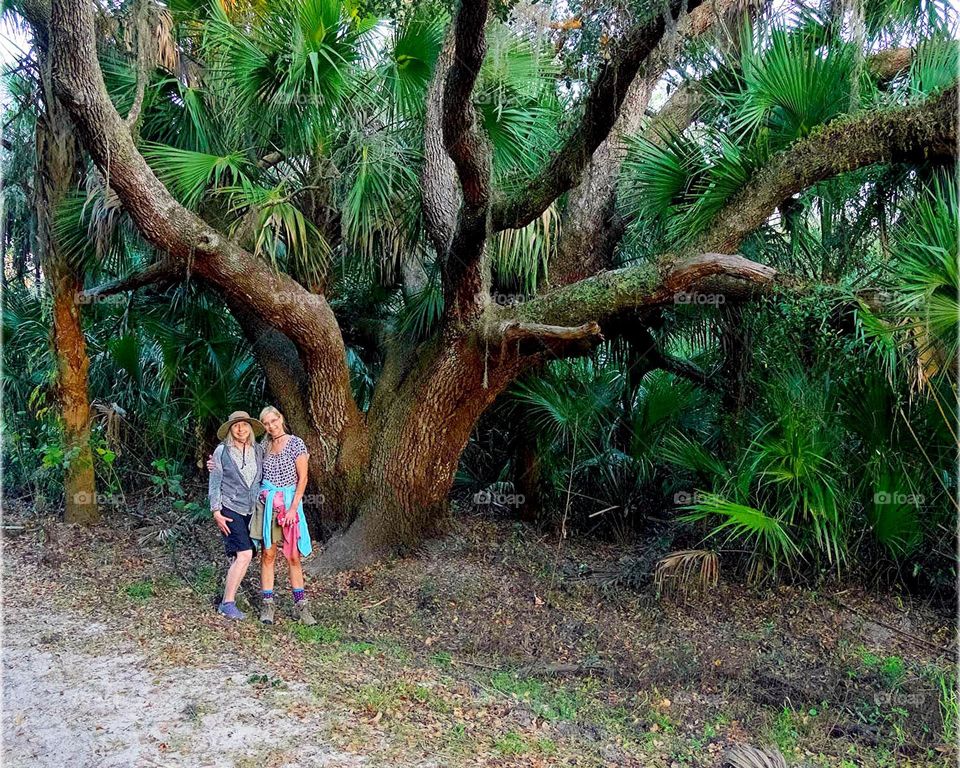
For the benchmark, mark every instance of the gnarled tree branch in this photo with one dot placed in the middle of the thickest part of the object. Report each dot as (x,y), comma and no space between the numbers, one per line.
(559,340)
(915,133)
(156,272)
(185,238)
(924,131)
(463,268)
(591,228)
(601,109)
(439,192)
(645,286)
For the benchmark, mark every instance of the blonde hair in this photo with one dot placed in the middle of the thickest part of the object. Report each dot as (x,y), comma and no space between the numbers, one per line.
(270,410)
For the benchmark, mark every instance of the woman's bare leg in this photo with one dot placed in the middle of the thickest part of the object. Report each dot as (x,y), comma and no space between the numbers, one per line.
(296,571)
(268,562)
(235,574)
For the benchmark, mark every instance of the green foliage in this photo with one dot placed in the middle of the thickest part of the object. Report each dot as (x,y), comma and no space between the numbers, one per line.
(766,535)
(317,634)
(189,175)
(785,495)
(379,179)
(411,56)
(139,590)
(798,436)
(422,311)
(949,701)
(548,703)
(925,275)
(790,84)
(935,65)
(290,69)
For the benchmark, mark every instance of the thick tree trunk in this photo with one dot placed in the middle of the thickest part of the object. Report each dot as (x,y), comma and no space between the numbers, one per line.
(421,427)
(56,171)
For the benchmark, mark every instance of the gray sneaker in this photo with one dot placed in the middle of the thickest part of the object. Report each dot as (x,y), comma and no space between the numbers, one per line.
(231,611)
(268,611)
(302,613)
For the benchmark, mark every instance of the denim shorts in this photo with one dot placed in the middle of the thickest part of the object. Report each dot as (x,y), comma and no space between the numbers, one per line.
(238,540)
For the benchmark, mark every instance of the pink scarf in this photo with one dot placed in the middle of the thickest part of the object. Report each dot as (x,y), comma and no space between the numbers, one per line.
(291,531)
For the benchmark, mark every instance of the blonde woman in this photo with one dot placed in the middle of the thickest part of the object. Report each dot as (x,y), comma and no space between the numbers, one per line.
(236,469)
(279,521)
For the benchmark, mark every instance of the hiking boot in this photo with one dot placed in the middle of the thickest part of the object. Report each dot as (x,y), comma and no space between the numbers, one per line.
(302,613)
(268,611)
(231,611)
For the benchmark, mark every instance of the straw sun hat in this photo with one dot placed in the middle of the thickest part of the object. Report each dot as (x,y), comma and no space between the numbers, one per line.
(236,416)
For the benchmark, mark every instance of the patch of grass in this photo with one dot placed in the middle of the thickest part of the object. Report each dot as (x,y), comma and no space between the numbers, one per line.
(456,739)
(547,746)
(785,732)
(139,590)
(378,698)
(395,650)
(206,580)
(442,659)
(548,704)
(617,718)
(526,688)
(511,743)
(712,727)
(661,720)
(360,647)
(949,701)
(428,696)
(317,634)
(890,669)
(385,698)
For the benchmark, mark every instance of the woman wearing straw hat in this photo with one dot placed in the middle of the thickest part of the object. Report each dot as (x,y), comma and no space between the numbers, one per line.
(236,469)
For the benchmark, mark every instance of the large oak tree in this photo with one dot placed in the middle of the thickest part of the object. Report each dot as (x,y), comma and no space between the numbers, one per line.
(386,471)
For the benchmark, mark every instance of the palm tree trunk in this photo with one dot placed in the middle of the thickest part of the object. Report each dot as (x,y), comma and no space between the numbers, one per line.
(56,172)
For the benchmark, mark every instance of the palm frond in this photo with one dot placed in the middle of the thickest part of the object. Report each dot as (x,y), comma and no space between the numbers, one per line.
(190,175)
(763,533)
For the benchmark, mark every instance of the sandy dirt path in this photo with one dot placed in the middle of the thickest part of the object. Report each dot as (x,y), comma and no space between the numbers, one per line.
(77,695)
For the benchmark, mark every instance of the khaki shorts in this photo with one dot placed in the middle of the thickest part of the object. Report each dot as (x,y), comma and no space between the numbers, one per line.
(256,527)
(276,535)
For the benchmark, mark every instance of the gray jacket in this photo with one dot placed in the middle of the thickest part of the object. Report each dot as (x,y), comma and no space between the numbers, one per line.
(226,486)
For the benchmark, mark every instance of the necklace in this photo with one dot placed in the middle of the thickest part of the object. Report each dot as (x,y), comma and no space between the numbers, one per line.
(280,449)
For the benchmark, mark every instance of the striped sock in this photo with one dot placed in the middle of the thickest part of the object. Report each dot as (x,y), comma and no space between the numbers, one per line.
(299,595)
(267,594)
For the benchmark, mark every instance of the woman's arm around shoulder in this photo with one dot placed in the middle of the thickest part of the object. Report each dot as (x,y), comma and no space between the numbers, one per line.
(216,479)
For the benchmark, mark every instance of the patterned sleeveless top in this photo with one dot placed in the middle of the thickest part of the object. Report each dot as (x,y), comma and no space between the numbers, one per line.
(281,468)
